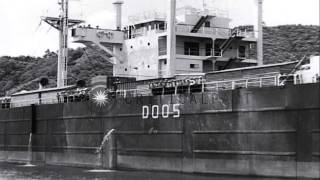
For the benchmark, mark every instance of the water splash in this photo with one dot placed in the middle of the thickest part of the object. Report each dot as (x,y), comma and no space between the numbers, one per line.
(105,139)
(29,164)
(100,171)
(30,149)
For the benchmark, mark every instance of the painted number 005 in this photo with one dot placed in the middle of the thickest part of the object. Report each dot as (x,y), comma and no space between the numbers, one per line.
(155,110)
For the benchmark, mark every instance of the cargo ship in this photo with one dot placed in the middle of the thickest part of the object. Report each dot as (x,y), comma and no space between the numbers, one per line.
(187,95)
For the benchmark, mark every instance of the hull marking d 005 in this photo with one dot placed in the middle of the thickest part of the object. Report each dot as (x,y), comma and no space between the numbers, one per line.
(156,111)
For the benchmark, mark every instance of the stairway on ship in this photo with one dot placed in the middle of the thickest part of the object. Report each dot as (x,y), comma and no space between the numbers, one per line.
(234,37)
(227,43)
(201,21)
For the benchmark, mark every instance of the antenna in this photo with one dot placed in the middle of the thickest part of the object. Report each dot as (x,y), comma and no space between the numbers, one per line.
(204,5)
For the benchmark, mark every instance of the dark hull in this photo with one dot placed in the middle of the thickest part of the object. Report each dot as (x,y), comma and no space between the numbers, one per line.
(264,131)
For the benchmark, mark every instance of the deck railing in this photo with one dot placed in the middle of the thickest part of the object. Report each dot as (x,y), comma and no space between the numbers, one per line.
(36,101)
(268,81)
(211,86)
(186,28)
(193,52)
(218,31)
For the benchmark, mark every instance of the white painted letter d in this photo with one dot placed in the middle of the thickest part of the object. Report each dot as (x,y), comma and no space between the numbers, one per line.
(145,112)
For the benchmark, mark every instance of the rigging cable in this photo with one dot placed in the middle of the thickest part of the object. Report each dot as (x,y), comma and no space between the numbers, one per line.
(48,29)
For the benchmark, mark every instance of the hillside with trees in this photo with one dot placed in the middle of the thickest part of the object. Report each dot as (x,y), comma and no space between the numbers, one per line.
(24,72)
(290,42)
(281,43)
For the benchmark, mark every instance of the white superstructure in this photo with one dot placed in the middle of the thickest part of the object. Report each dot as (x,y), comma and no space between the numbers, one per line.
(310,72)
(200,40)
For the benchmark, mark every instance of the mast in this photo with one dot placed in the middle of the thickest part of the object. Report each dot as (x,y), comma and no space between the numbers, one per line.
(62,24)
(260,33)
(63,41)
(171,38)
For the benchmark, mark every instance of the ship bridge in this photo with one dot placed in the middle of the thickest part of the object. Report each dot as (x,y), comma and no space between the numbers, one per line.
(204,42)
(104,36)
(102,41)
(105,42)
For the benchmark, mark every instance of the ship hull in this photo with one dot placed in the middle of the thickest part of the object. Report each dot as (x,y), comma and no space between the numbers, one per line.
(260,131)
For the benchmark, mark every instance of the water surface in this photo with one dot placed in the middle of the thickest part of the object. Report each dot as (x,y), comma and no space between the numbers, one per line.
(13,171)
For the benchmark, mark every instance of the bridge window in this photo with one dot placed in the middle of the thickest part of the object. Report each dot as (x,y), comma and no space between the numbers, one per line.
(162,26)
(207,24)
(191,48)
(242,51)
(165,62)
(73,32)
(208,49)
(194,66)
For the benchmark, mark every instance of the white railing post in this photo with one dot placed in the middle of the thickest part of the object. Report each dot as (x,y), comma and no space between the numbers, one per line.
(233,85)
(261,82)
(202,90)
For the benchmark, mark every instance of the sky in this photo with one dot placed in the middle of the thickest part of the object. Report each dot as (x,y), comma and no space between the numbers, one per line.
(21,32)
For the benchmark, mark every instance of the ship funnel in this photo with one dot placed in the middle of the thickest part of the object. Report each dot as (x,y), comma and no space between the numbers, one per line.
(118,6)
